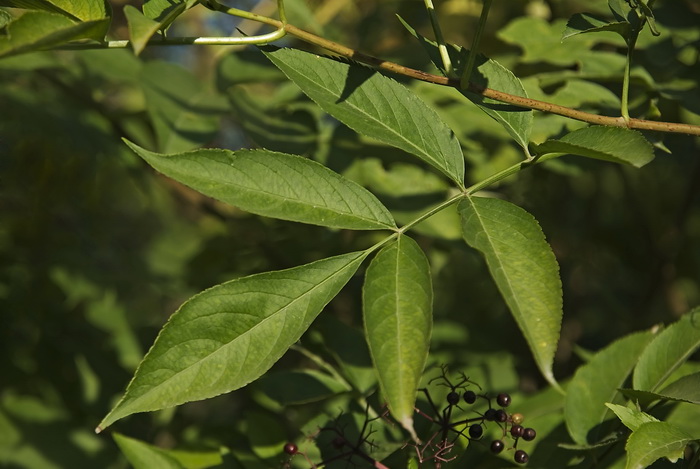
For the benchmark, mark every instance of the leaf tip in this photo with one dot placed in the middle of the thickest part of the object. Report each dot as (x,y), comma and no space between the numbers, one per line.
(98,429)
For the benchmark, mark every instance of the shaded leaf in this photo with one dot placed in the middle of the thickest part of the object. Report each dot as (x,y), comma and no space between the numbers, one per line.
(141,28)
(37,30)
(631,418)
(374,105)
(275,185)
(582,23)
(265,434)
(245,66)
(669,350)
(144,456)
(596,383)
(685,389)
(489,74)
(397,310)
(287,388)
(77,10)
(615,144)
(655,440)
(229,335)
(524,268)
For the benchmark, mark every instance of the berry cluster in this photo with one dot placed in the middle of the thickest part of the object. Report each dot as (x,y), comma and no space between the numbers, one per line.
(453,424)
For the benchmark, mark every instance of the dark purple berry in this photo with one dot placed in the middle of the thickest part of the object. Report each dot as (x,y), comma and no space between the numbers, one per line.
(475,431)
(529,434)
(291,449)
(490,415)
(453,398)
(516,431)
(503,399)
(469,397)
(521,457)
(501,416)
(497,446)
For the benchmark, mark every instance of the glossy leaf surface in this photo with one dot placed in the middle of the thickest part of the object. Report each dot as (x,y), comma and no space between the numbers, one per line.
(229,335)
(397,303)
(614,144)
(524,268)
(596,383)
(274,185)
(375,106)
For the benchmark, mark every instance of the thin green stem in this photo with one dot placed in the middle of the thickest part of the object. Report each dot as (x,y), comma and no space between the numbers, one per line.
(624,107)
(442,47)
(281,11)
(497,177)
(432,212)
(474,50)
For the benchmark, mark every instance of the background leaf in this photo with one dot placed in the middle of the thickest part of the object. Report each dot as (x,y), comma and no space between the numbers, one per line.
(596,383)
(275,185)
(374,105)
(229,335)
(615,144)
(670,349)
(144,456)
(397,305)
(582,23)
(655,440)
(524,268)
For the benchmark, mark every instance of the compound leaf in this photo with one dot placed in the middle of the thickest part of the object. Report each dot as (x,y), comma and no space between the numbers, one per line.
(597,382)
(229,335)
(275,185)
(524,268)
(374,105)
(670,349)
(655,440)
(615,144)
(397,301)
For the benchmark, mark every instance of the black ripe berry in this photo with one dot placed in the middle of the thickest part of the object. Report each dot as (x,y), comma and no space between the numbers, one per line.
(529,434)
(516,431)
(521,457)
(501,416)
(497,446)
(469,397)
(475,431)
(503,399)
(490,415)
(453,398)
(291,449)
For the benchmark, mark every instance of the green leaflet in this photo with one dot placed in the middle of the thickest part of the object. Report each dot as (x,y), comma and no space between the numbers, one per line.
(631,418)
(144,456)
(615,144)
(655,440)
(229,335)
(141,28)
(36,30)
(397,304)
(582,23)
(77,10)
(524,268)
(374,105)
(487,73)
(597,382)
(670,349)
(275,185)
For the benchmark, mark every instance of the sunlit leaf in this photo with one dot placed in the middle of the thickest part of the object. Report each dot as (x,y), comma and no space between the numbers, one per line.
(374,105)
(631,418)
(275,185)
(77,10)
(489,74)
(597,382)
(615,144)
(524,268)
(655,440)
(670,349)
(582,23)
(229,335)
(141,28)
(397,305)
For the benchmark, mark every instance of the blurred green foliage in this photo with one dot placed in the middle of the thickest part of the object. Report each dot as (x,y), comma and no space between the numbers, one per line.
(96,250)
